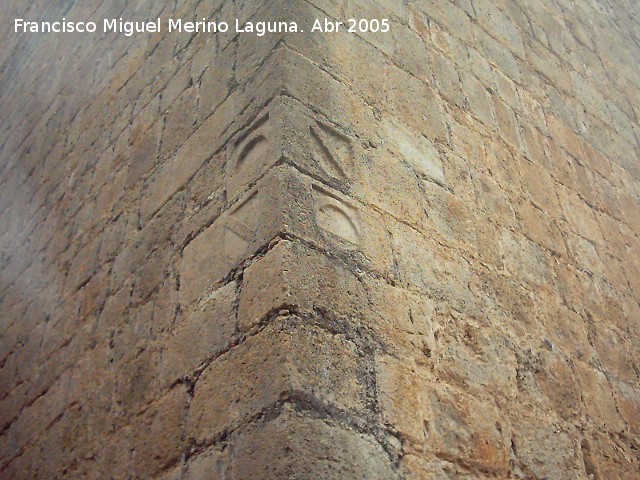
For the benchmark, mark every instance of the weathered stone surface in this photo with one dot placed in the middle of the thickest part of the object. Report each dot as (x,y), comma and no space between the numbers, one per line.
(285,360)
(203,332)
(210,465)
(249,225)
(308,448)
(294,276)
(157,436)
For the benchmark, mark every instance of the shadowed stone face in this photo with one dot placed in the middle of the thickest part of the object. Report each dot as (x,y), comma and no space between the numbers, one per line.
(243,252)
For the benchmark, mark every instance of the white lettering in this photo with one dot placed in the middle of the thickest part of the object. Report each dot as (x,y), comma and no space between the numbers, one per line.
(109,25)
(262,28)
(128,27)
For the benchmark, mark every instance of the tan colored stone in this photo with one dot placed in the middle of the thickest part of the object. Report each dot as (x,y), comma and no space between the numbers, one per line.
(203,333)
(411,254)
(157,437)
(235,236)
(455,429)
(542,446)
(283,360)
(309,448)
(209,465)
(297,277)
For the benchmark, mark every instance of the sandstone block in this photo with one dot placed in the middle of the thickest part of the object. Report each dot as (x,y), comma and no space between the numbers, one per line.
(209,465)
(217,81)
(205,331)
(580,216)
(292,275)
(478,100)
(284,360)
(157,434)
(542,447)
(455,430)
(290,446)
(440,275)
(248,225)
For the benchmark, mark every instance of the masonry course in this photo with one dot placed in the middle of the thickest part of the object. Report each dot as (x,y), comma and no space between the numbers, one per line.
(346,255)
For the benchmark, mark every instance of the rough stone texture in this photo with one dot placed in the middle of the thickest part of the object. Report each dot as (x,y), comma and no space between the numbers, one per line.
(344,256)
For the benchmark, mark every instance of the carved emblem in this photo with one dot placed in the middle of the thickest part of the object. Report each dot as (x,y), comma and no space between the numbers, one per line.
(336,217)
(334,153)
(248,156)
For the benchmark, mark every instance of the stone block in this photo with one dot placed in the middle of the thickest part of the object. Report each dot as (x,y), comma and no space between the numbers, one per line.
(144,139)
(558,382)
(83,265)
(601,458)
(298,446)
(471,357)
(493,203)
(157,439)
(541,187)
(455,430)
(628,402)
(440,274)
(418,151)
(541,229)
(565,329)
(500,55)
(179,123)
(449,16)
(292,275)
(450,215)
(401,395)
(138,385)
(584,255)
(286,359)
(508,125)
(580,216)
(543,447)
(217,81)
(247,226)
(208,465)
(204,332)
(478,100)
(500,25)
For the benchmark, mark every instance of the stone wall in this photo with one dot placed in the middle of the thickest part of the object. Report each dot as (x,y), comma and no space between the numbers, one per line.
(341,256)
